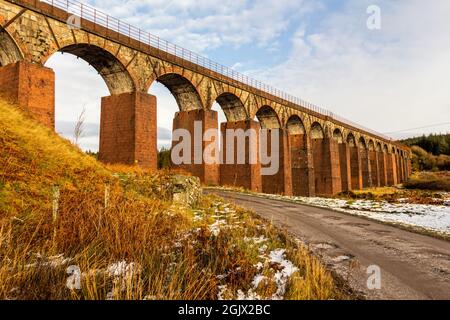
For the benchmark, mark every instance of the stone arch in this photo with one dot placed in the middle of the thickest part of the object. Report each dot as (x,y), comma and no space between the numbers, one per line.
(295,125)
(362,143)
(373,162)
(355,162)
(185,93)
(317,131)
(111,69)
(325,161)
(351,141)
(371,145)
(378,147)
(232,107)
(9,50)
(300,150)
(268,118)
(365,162)
(385,149)
(337,135)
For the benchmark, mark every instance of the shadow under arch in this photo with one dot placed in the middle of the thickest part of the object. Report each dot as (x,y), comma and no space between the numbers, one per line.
(337,136)
(362,143)
(317,132)
(114,73)
(185,93)
(365,163)
(351,141)
(374,165)
(295,125)
(302,176)
(355,163)
(268,118)
(9,50)
(232,107)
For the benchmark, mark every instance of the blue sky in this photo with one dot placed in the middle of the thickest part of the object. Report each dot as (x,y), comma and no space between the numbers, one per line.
(390,79)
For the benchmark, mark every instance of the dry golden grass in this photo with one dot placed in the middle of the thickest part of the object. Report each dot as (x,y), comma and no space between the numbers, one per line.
(123,217)
(436,181)
(418,190)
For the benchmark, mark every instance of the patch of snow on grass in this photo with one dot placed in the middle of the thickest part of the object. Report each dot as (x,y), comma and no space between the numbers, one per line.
(215,227)
(282,276)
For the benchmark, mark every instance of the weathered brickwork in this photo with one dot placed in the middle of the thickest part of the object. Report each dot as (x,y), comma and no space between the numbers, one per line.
(327,171)
(356,169)
(345,166)
(348,157)
(303,183)
(382,162)
(281,182)
(248,174)
(374,169)
(32,87)
(128,130)
(366,169)
(205,169)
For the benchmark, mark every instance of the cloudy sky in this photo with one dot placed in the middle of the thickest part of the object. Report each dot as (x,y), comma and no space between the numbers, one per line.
(395,79)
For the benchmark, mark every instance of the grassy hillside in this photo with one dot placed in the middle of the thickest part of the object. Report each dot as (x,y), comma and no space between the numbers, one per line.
(436,144)
(66,220)
(425,161)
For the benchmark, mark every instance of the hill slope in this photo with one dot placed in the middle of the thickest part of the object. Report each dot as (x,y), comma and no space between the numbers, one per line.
(118,234)
(436,144)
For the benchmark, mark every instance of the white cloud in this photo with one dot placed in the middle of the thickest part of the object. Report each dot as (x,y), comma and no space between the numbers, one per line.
(394,78)
(206,24)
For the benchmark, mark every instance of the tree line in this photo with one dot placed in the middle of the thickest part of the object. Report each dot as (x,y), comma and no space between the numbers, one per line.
(436,144)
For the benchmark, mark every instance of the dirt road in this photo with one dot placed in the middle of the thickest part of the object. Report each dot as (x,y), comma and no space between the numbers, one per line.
(413,266)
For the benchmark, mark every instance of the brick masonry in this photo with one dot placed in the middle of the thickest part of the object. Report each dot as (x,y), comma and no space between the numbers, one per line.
(345,166)
(366,169)
(374,170)
(208,173)
(303,183)
(32,88)
(128,130)
(356,169)
(327,169)
(280,183)
(245,175)
(391,170)
(382,163)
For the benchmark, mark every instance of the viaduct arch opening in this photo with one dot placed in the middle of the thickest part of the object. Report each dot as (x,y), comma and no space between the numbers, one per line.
(78,92)
(9,51)
(365,163)
(355,162)
(119,111)
(301,157)
(274,147)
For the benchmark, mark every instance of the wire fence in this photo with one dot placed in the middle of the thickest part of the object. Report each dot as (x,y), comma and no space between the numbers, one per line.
(89,13)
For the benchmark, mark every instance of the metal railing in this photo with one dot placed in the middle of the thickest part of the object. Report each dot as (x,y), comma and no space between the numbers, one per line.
(89,13)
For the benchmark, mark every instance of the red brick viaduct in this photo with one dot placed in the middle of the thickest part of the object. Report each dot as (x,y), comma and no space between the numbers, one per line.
(320,154)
